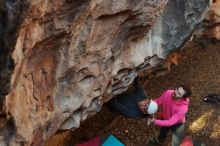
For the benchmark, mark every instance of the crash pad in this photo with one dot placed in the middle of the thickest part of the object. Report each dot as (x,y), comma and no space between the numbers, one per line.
(93,142)
(187,141)
(112,141)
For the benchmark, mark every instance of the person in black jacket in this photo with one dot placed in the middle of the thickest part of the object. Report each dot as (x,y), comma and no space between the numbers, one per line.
(133,104)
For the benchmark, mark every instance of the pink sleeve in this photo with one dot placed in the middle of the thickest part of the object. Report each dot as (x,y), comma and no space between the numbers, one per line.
(159,100)
(167,123)
(174,119)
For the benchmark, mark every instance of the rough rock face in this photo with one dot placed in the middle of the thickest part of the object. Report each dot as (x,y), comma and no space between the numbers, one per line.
(10,18)
(209,29)
(72,56)
(212,21)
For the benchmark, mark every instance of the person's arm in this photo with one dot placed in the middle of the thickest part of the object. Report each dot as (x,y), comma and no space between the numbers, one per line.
(136,84)
(138,93)
(172,120)
(139,87)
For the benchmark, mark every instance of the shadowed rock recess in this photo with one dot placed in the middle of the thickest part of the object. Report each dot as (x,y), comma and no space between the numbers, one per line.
(71,56)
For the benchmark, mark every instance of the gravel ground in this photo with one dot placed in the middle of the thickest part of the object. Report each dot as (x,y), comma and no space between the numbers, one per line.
(199,68)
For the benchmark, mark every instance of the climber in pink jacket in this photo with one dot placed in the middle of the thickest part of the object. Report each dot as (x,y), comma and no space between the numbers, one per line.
(174,105)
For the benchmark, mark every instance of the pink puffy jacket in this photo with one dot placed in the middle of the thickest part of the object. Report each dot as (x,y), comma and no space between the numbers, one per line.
(173,111)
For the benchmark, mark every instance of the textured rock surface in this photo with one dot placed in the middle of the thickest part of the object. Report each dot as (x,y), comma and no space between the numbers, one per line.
(210,27)
(10,18)
(212,21)
(72,56)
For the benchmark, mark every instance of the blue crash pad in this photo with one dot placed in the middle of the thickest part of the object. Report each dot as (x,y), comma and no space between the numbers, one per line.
(112,141)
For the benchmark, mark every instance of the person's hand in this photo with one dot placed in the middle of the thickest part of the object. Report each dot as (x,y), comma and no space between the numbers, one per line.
(150,121)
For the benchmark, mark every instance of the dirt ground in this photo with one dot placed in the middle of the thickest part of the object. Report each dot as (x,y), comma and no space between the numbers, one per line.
(199,68)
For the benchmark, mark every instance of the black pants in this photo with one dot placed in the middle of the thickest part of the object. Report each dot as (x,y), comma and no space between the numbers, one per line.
(177,133)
